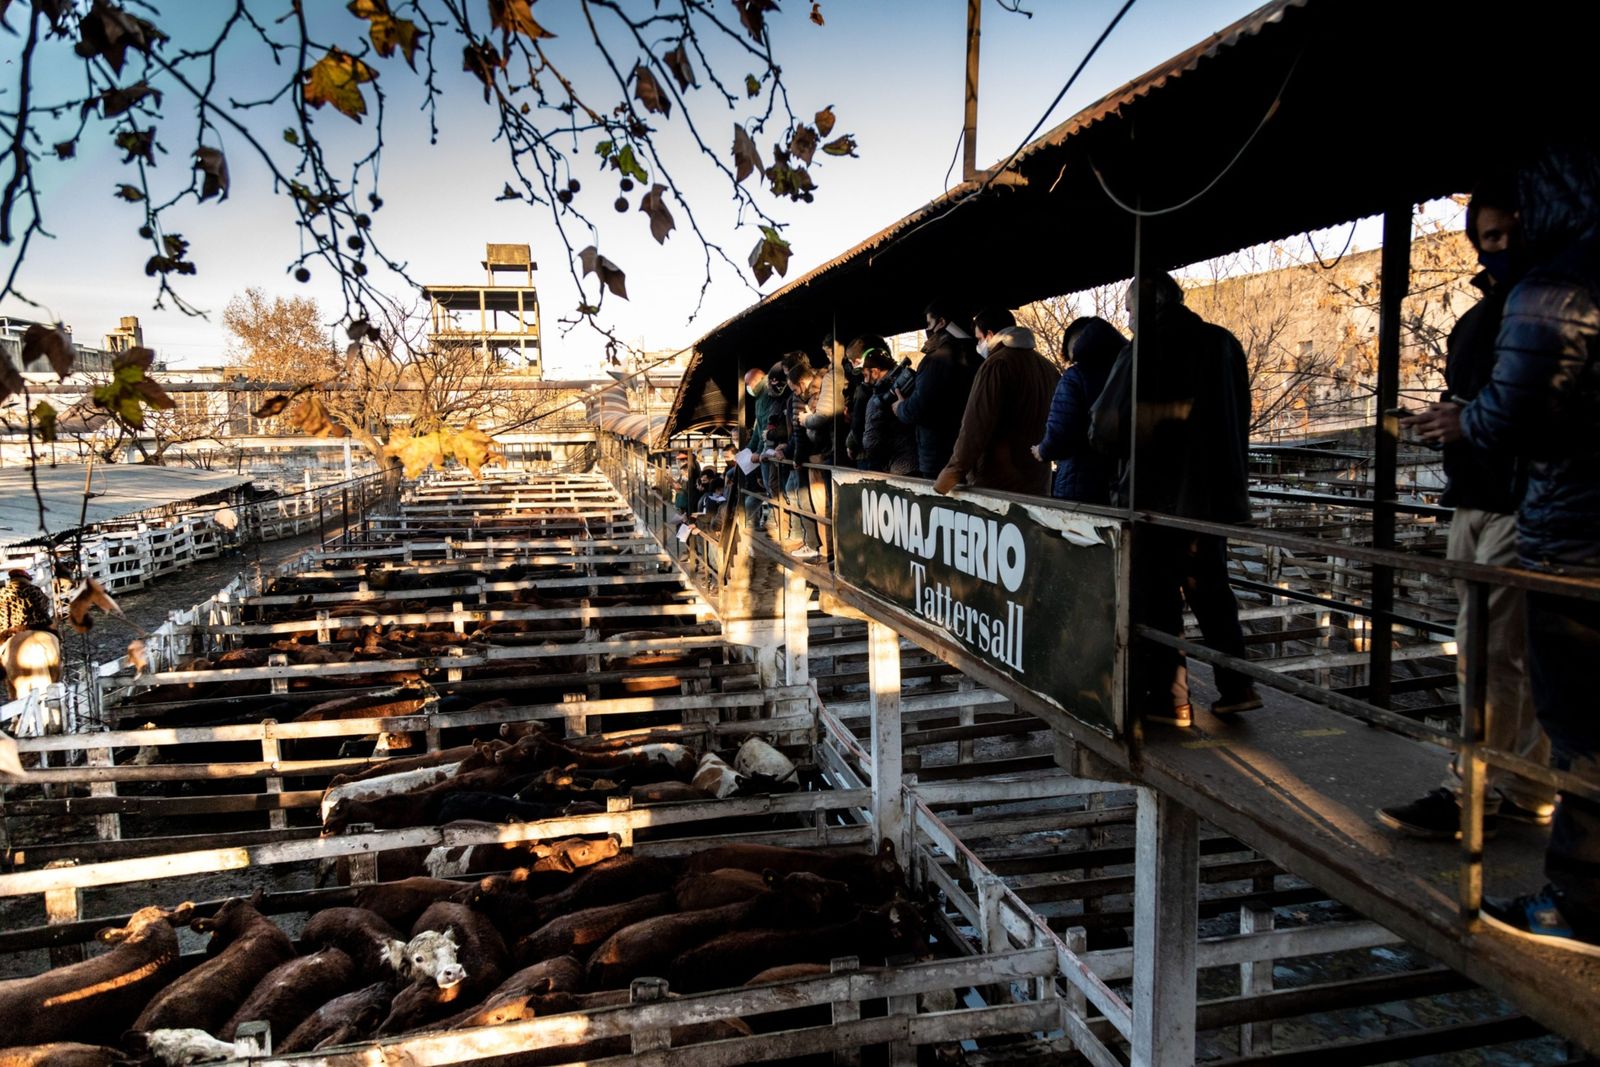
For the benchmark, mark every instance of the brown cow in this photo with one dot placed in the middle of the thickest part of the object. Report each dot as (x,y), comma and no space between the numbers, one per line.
(245,945)
(648,947)
(579,931)
(400,903)
(455,957)
(362,935)
(291,991)
(610,882)
(352,1017)
(95,1000)
(872,878)
(734,958)
(61,1054)
(563,974)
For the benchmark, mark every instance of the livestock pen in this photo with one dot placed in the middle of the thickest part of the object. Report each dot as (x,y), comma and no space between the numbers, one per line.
(216,746)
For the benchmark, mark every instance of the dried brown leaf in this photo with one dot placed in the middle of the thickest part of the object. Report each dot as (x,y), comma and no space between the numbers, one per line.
(648,91)
(108,31)
(611,275)
(803,145)
(654,205)
(825,120)
(841,146)
(816,16)
(677,61)
(273,405)
(213,168)
(52,343)
(92,595)
(746,159)
(482,61)
(752,14)
(516,16)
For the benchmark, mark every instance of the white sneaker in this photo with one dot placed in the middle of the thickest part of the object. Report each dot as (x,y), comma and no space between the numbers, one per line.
(805,554)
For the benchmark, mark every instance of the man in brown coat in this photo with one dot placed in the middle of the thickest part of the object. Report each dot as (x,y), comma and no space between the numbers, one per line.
(1005,412)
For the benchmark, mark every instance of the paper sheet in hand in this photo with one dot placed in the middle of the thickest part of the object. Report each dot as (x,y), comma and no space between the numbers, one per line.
(683,531)
(746,461)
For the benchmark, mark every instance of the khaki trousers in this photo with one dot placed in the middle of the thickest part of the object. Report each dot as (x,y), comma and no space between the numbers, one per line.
(1510,722)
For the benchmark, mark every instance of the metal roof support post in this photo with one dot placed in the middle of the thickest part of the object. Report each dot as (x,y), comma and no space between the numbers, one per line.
(1395,281)
(969,129)
(1131,724)
(883,677)
(1166,888)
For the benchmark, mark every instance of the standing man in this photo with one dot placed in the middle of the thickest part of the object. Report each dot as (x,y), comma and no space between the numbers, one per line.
(1484,489)
(1010,399)
(1194,435)
(1543,404)
(756,387)
(939,395)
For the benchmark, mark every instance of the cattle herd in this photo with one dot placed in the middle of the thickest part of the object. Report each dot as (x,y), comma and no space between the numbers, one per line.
(452,937)
(568,933)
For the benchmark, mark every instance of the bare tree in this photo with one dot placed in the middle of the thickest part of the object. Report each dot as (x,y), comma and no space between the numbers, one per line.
(1049,318)
(603,95)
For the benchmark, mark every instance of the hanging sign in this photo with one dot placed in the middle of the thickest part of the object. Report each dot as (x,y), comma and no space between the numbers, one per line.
(1030,591)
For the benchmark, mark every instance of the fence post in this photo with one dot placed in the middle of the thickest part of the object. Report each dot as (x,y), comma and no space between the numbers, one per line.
(883,672)
(107,827)
(277,818)
(63,905)
(1166,888)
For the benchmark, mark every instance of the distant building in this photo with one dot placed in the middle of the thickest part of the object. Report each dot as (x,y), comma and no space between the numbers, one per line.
(128,334)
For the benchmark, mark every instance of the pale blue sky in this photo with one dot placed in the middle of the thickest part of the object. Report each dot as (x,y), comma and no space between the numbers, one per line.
(892,69)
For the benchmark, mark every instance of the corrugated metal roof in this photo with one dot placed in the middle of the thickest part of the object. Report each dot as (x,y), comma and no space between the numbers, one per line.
(116,490)
(1305,114)
(682,420)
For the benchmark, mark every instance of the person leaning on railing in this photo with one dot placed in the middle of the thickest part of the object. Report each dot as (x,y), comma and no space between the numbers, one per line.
(1483,488)
(1009,401)
(802,446)
(938,393)
(1090,346)
(1543,404)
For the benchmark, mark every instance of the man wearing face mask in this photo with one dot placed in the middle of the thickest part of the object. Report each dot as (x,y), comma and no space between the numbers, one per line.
(774,434)
(1009,401)
(1484,487)
(756,387)
(939,395)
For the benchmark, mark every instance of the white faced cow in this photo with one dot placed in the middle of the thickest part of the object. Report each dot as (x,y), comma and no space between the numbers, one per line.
(431,954)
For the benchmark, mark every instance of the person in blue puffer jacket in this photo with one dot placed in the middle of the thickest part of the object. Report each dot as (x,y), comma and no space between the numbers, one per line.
(1543,404)
(1090,346)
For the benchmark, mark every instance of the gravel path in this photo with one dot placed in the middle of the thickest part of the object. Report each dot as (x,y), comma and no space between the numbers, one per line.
(150,606)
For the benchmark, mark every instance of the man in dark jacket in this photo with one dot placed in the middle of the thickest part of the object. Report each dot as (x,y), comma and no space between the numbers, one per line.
(1194,427)
(1010,397)
(1090,346)
(762,401)
(888,445)
(939,396)
(1483,487)
(1543,404)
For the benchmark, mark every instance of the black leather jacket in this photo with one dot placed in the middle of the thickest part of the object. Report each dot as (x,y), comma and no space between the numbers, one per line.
(1543,404)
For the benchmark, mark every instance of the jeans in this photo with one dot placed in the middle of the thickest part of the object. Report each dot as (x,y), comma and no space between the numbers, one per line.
(1510,722)
(1563,646)
(797,491)
(1171,567)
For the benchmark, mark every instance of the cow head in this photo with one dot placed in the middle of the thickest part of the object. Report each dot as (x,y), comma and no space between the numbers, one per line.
(429,955)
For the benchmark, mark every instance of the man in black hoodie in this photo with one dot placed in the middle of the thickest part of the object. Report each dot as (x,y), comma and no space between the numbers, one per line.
(1543,404)
(1484,488)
